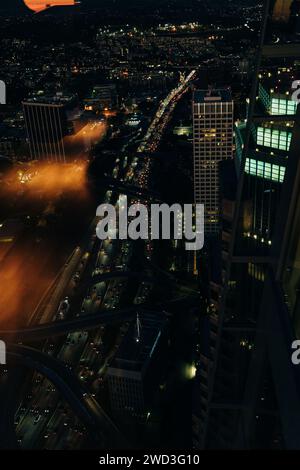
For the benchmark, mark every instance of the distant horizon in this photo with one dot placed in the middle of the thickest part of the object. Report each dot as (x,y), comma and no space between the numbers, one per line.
(19,7)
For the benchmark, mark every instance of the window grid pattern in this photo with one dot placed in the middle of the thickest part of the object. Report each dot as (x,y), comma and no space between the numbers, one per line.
(45,129)
(283,106)
(265,170)
(264,97)
(213,142)
(274,138)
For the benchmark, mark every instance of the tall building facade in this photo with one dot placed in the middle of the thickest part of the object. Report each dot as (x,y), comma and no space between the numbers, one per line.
(248,386)
(212,143)
(47,125)
(103,98)
(269,148)
(133,374)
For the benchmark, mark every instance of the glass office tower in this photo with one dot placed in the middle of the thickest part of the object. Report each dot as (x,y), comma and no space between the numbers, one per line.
(212,142)
(47,124)
(249,389)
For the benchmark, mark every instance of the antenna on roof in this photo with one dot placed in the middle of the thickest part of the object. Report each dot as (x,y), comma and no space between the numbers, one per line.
(138,329)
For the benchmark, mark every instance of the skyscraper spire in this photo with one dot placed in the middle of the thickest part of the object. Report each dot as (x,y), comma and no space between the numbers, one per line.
(138,329)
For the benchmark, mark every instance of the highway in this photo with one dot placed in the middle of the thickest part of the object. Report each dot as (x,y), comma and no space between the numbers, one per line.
(89,135)
(61,328)
(95,298)
(128,189)
(83,403)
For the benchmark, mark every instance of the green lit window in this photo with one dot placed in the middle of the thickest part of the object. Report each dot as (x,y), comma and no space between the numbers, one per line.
(281,106)
(274,138)
(265,170)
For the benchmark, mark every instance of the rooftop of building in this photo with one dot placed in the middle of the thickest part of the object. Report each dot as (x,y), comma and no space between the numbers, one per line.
(279,79)
(135,351)
(60,99)
(212,95)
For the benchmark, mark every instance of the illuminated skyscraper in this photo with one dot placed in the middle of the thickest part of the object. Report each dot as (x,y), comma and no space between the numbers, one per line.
(248,386)
(103,98)
(213,142)
(47,123)
(270,144)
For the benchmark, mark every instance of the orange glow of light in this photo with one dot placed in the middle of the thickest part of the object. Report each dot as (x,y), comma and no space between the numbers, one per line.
(23,278)
(92,133)
(47,180)
(27,269)
(108,114)
(282,10)
(39,5)
(54,179)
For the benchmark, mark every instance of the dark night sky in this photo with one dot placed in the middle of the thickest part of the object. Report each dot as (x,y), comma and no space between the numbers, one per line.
(18,6)
(12,6)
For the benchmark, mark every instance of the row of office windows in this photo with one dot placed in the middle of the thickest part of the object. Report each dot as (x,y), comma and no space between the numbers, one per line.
(274,138)
(281,106)
(213,108)
(265,170)
(200,121)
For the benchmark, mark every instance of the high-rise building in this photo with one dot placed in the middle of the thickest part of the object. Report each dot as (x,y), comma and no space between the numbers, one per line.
(48,123)
(103,98)
(247,385)
(213,142)
(268,153)
(134,372)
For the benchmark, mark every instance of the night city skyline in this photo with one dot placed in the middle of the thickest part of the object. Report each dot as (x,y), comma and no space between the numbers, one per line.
(149,228)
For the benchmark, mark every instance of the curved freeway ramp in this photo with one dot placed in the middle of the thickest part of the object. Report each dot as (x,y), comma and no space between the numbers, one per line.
(88,410)
(61,328)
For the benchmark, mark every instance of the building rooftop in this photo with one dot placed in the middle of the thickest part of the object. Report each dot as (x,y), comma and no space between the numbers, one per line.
(212,95)
(279,79)
(133,353)
(58,99)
